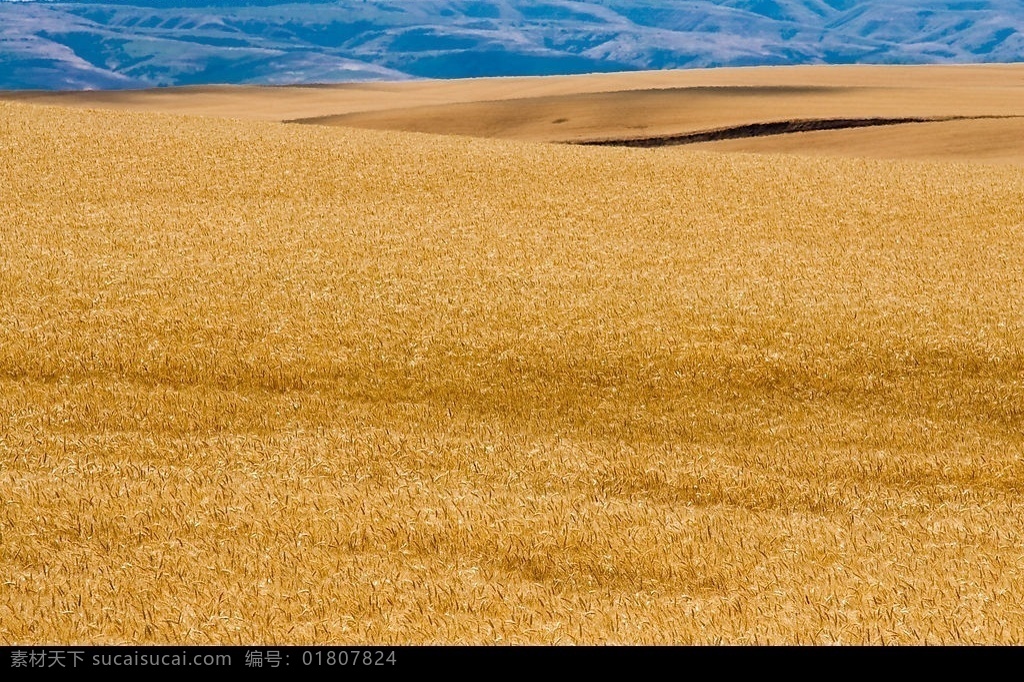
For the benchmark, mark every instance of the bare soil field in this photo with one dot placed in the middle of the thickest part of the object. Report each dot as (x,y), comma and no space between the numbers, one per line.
(273,383)
(651,104)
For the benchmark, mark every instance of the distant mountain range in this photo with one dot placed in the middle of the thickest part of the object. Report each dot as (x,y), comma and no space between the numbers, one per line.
(145,43)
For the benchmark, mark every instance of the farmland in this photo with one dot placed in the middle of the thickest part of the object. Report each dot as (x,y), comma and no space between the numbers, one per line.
(268,382)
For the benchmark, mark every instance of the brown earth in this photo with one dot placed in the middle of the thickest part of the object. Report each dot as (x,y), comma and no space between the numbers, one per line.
(650,104)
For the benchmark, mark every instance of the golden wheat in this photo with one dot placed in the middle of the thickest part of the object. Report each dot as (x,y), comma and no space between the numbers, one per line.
(270,383)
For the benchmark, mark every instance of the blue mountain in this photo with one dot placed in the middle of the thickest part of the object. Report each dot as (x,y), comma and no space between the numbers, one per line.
(145,43)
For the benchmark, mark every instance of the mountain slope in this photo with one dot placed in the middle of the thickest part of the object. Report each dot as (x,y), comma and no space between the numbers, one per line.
(77,45)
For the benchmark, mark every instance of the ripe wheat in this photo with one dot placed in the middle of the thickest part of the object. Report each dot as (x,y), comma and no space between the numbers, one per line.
(271,383)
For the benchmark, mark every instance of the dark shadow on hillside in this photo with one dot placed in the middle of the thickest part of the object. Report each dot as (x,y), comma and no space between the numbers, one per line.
(772,128)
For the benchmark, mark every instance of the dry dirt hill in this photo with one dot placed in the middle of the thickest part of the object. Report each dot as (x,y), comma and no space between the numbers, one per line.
(970,113)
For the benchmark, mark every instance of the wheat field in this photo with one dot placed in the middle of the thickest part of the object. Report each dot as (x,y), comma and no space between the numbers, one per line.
(268,383)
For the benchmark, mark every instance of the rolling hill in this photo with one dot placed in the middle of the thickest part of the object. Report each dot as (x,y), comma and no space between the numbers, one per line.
(967,112)
(87,45)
